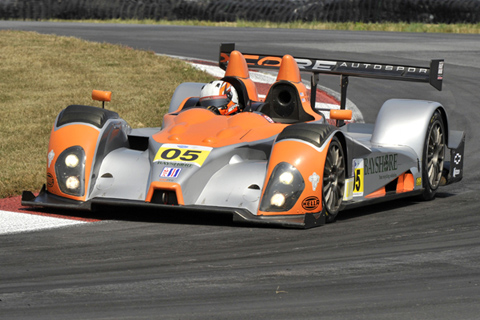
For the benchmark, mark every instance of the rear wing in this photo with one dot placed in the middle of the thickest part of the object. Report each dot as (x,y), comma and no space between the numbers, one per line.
(432,74)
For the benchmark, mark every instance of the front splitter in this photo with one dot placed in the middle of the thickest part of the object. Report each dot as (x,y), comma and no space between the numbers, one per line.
(239,215)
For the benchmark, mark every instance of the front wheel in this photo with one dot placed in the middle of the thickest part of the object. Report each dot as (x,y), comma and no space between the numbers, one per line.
(333,180)
(433,156)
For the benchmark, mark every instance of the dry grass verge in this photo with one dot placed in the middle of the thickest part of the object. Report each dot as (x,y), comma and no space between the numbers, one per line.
(468,28)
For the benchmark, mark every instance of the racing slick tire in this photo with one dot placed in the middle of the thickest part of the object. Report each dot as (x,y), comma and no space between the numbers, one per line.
(333,180)
(433,156)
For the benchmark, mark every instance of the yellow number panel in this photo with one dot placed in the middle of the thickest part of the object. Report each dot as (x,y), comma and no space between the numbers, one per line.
(173,153)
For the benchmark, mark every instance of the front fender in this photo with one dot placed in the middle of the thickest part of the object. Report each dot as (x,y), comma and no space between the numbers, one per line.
(301,151)
(91,133)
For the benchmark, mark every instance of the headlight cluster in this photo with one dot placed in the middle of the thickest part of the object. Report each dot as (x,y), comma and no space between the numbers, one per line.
(283,189)
(70,171)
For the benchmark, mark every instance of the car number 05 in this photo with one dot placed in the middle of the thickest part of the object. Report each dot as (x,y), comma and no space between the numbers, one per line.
(188,155)
(182,153)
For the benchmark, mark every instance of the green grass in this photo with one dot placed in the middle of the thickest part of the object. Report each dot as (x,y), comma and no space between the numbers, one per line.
(42,74)
(351,26)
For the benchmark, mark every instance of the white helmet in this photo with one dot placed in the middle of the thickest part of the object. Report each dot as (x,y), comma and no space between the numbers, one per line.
(220,95)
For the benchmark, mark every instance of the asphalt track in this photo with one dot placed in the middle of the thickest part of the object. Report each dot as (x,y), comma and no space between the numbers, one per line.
(401,260)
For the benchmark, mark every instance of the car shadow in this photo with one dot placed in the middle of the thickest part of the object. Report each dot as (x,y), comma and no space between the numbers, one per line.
(152,215)
(386,206)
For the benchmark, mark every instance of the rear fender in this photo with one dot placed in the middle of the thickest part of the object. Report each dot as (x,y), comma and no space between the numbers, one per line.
(404,122)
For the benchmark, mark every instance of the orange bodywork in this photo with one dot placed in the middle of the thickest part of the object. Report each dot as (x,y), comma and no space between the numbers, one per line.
(405,183)
(237,67)
(82,135)
(300,155)
(377,194)
(199,126)
(202,127)
(168,186)
(289,72)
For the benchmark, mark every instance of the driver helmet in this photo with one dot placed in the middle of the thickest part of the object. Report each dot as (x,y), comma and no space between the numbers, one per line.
(220,95)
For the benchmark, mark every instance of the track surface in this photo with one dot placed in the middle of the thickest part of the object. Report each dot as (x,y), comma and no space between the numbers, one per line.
(401,260)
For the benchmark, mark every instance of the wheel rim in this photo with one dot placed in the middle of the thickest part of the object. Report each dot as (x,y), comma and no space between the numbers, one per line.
(333,179)
(435,155)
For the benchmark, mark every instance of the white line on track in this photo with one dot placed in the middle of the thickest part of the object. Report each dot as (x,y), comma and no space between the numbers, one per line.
(16,222)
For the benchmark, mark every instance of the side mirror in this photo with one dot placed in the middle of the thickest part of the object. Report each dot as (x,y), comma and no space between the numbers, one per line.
(102,96)
(337,114)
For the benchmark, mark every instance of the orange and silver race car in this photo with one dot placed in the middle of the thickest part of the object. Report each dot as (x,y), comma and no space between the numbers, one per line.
(274,161)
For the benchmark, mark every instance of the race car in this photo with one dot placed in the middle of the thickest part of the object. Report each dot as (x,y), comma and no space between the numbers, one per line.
(275,160)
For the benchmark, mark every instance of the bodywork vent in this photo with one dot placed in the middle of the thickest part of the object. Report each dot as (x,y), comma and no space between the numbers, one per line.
(164,197)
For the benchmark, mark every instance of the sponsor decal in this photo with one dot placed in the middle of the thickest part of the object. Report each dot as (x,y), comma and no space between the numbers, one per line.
(50,180)
(314,179)
(308,64)
(440,71)
(267,61)
(418,182)
(313,64)
(359,175)
(175,164)
(310,203)
(456,172)
(51,156)
(388,176)
(169,172)
(381,67)
(379,164)
(457,159)
(182,154)
(267,118)
(348,192)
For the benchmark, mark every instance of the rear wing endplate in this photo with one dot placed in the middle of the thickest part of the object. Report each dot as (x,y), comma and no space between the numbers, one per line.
(432,74)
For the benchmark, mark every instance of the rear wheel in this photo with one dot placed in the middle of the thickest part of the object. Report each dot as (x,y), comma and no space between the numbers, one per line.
(433,156)
(333,179)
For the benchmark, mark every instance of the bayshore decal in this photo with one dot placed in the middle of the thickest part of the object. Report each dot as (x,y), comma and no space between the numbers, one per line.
(381,165)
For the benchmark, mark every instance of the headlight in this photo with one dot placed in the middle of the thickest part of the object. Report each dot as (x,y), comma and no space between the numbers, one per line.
(277,200)
(71,160)
(70,171)
(283,189)
(72,183)
(286,177)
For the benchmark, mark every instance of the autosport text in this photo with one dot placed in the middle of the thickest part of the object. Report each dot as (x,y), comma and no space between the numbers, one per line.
(329,65)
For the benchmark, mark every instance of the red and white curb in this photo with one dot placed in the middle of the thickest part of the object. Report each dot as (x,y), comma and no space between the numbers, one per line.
(16,222)
(15,219)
